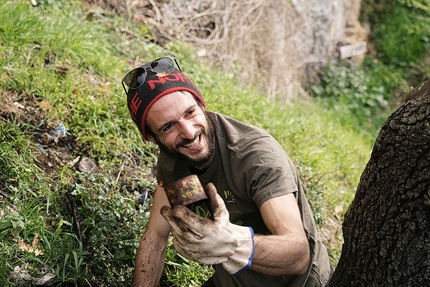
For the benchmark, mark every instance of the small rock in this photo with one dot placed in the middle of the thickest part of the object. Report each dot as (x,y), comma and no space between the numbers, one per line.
(87,165)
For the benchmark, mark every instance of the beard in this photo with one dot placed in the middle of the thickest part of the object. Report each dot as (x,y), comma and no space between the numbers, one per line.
(195,163)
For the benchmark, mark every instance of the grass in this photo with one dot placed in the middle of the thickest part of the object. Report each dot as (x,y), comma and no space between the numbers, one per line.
(85,227)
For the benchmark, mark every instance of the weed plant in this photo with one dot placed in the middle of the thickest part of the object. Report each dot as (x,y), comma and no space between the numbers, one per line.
(362,98)
(400,30)
(85,227)
(33,232)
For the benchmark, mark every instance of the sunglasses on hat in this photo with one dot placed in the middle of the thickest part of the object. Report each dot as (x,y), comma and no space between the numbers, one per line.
(136,77)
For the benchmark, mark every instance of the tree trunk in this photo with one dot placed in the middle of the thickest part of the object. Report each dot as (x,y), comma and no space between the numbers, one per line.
(387,226)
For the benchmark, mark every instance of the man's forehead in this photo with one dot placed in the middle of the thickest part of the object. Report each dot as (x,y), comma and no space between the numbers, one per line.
(172,100)
(170,106)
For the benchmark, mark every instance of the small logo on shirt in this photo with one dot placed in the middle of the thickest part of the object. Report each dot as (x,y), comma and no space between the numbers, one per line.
(229,196)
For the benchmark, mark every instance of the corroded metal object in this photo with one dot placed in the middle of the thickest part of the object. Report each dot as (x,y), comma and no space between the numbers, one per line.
(185,191)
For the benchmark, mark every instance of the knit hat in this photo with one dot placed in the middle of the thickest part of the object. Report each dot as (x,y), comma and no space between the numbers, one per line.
(156,86)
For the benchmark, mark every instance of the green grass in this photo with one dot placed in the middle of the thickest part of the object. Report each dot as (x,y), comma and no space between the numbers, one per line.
(74,78)
(400,29)
(31,211)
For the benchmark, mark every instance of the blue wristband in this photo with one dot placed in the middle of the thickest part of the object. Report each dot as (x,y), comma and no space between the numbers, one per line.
(251,256)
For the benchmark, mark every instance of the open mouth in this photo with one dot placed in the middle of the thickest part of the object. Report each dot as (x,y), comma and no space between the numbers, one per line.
(195,142)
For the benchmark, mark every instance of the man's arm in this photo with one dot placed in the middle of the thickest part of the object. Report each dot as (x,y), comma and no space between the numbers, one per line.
(287,250)
(216,241)
(153,244)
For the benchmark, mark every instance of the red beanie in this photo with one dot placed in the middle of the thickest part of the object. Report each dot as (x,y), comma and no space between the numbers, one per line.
(156,86)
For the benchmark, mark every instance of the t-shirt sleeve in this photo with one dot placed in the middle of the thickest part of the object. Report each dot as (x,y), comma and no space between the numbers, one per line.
(267,169)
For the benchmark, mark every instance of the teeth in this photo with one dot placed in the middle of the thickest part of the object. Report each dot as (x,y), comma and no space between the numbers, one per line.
(196,141)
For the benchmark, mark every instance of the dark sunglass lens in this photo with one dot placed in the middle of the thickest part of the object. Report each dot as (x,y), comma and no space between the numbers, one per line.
(163,65)
(135,78)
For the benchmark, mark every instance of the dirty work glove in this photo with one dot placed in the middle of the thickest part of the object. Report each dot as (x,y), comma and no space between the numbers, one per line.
(211,241)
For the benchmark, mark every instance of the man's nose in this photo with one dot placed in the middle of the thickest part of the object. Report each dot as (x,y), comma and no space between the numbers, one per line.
(187,130)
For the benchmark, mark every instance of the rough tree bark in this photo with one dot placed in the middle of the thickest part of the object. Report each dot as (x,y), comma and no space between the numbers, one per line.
(387,227)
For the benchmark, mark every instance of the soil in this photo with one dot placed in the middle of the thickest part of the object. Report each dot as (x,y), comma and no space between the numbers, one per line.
(54,147)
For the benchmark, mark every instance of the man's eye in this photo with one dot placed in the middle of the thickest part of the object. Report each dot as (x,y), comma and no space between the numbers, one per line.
(167,128)
(191,112)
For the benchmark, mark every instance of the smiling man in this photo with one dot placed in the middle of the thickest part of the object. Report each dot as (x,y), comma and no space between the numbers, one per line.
(181,129)
(261,231)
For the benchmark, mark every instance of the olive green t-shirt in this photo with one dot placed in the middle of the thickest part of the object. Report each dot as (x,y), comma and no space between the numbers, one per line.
(250,167)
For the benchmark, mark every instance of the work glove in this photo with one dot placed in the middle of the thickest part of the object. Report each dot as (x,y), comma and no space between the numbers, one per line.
(211,241)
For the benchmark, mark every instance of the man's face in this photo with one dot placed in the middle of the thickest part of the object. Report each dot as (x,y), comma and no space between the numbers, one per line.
(181,129)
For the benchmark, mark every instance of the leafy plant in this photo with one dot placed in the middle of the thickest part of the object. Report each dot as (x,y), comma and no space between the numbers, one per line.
(364,93)
(32,232)
(403,37)
(400,29)
(183,272)
(113,227)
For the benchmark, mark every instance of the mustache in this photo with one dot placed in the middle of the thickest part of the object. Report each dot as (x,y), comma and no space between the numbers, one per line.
(188,141)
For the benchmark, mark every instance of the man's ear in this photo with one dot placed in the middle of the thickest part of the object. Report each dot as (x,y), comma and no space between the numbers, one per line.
(151,138)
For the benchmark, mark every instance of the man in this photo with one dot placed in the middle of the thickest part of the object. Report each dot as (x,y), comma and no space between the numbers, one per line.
(261,230)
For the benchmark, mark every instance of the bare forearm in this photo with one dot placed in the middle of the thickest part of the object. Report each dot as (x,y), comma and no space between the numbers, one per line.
(149,261)
(278,255)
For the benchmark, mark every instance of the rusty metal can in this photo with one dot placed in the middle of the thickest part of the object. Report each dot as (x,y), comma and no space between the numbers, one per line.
(186,191)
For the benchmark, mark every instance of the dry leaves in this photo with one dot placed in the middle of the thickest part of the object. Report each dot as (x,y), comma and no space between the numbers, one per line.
(45,105)
(30,248)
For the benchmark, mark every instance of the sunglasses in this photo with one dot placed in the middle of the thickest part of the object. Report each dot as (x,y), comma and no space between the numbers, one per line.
(136,77)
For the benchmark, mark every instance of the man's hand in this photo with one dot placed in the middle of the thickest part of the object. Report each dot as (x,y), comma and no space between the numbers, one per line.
(211,241)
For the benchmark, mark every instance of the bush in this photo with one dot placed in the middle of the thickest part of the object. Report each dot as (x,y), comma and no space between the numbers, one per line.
(400,29)
(112,226)
(365,93)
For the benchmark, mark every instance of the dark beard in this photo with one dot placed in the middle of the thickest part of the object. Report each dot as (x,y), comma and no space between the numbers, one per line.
(197,164)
